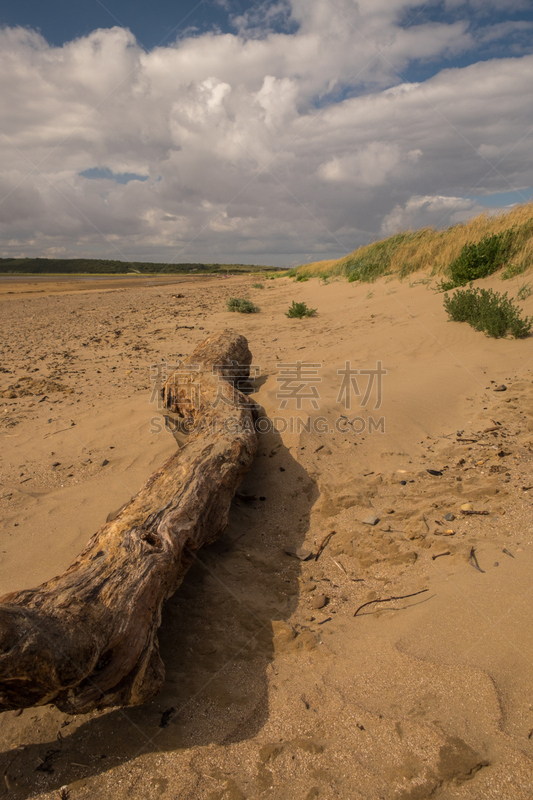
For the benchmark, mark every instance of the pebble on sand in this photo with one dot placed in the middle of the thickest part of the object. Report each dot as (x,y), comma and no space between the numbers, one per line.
(319,601)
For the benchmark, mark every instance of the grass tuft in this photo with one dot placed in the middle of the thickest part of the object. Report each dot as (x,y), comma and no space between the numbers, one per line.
(299,310)
(242,305)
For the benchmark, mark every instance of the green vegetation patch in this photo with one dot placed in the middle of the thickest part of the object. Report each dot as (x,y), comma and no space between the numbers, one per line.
(479,260)
(299,310)
(242,305)
(370,263)
(488,311)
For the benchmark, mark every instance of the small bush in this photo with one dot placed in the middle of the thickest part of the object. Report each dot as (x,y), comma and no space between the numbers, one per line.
(479,260)
(242,305)
(487,311)
(300,310)
(258,285)
(302,277)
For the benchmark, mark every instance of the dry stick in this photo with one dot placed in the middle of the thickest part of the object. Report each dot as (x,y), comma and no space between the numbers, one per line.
(472,559)
(340,566)
(53,433)
(323,543)
(438,555)
(389,599)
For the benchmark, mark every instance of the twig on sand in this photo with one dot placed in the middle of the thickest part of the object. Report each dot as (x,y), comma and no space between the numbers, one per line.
(323,544)
(389,599)
(53,433)
(472,559)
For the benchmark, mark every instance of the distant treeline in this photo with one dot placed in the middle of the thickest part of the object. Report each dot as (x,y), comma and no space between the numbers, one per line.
(94,266)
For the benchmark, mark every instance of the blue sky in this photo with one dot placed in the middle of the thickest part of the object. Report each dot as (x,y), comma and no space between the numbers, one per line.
(153,23)
(266,132)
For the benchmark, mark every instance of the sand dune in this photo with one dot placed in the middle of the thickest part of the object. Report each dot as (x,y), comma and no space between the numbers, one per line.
(276,689)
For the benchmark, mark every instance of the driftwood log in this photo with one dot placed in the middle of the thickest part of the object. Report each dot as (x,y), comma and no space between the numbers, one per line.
(87,639)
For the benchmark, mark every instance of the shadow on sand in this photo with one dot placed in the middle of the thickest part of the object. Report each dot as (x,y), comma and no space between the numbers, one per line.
(215,640)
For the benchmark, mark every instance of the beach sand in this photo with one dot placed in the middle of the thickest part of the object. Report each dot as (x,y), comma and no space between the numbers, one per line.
(274,688)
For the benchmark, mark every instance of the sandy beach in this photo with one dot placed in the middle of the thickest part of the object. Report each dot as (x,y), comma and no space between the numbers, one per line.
(411,443)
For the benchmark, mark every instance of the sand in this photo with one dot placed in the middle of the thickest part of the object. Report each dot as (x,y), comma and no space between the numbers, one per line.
(274,689)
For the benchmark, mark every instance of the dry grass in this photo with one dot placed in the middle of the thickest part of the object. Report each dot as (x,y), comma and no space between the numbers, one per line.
(429,249)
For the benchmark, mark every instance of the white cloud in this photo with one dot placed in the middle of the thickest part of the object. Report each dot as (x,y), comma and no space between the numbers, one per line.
(429,212)
(243,162)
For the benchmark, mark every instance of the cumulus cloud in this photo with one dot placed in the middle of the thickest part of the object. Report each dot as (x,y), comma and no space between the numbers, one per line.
(429,212)
(257,146)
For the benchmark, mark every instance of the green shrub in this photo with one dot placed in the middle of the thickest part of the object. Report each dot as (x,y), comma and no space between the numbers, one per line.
(302,277)
(300,310)
(258,285)
(242,305)
(479,260)
(487,311)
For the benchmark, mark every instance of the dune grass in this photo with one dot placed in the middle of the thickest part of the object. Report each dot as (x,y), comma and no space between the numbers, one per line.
(432,250)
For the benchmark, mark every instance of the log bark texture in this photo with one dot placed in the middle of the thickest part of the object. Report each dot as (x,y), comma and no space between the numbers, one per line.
(87,639)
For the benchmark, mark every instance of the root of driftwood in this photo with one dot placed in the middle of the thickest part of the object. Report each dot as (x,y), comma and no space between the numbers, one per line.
(87,639)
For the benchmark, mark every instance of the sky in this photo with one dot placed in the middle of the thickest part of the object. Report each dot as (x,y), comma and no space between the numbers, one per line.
(275,132)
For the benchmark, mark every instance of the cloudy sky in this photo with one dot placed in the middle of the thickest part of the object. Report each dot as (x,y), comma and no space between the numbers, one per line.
(273,132)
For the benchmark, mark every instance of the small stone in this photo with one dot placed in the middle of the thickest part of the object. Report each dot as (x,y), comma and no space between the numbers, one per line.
(308,587)
(501,388)
(371,520)
(389,511)
(319,601)
(56,464)
(467,507)
(298,552)
(105,462)
(449,517)
(403,483)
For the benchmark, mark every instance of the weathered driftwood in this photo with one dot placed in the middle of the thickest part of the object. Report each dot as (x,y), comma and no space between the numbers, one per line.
(87,639)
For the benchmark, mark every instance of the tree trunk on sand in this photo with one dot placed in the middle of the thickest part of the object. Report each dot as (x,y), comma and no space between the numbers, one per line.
(87,639)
